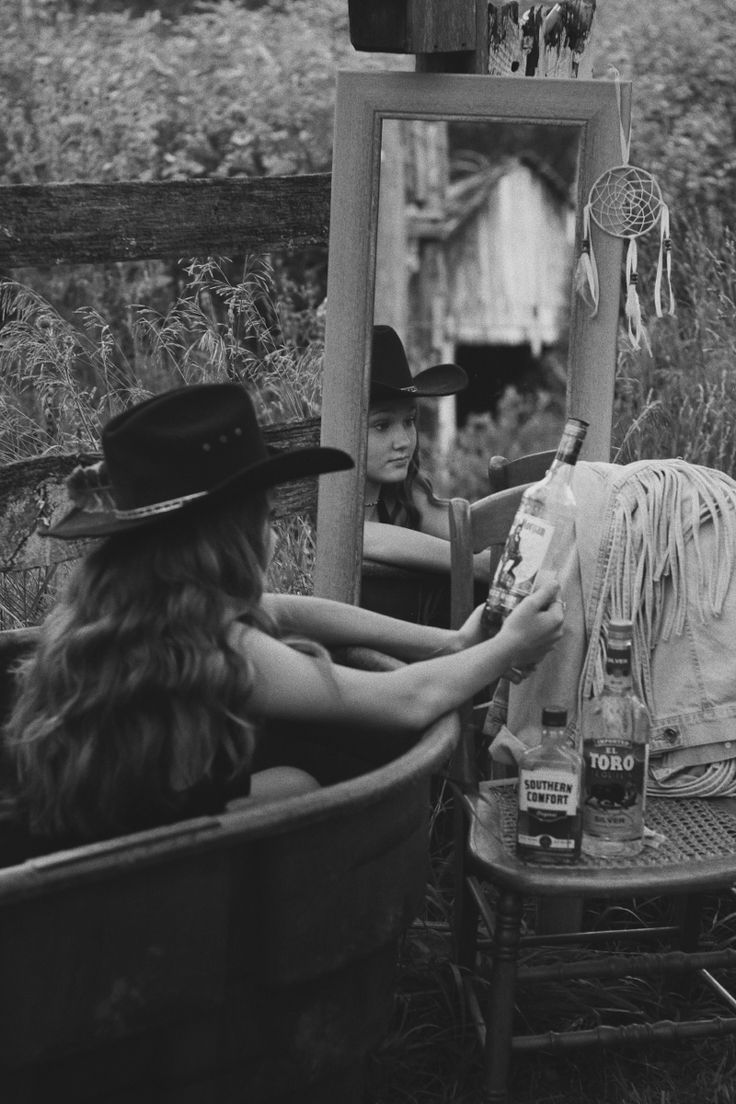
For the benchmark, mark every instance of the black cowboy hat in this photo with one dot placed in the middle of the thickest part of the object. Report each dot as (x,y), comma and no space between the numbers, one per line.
(172,451)
(391,374)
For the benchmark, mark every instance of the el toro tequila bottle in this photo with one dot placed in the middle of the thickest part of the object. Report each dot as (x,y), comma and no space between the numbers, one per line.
(615,734)
(549,823)
(541,533)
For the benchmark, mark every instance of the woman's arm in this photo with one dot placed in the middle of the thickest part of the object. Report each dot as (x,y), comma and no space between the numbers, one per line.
(337,624)
(418,551)
(292,686)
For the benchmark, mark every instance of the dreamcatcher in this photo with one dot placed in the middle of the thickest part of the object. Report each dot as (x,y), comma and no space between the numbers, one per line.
(626,202)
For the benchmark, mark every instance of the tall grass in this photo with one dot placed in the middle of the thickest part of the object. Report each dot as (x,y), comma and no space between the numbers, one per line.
(62,376)
(681,400)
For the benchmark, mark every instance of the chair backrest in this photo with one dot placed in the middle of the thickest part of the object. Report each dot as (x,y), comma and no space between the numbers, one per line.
(503,473)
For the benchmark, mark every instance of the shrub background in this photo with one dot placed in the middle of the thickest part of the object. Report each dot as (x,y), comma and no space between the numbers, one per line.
(95,90)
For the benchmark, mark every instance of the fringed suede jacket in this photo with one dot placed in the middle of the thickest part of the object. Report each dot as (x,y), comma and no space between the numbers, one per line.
(655,542)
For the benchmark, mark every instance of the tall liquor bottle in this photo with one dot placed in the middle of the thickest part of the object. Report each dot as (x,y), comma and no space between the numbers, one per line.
(615,733)
(541,533)
(549,825)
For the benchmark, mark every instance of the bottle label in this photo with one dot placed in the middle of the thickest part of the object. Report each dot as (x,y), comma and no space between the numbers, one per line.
(548,804)
(549,794)
(522,558)
(613,806)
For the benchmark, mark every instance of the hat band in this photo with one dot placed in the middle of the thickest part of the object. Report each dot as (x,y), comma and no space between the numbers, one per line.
(412,389)
(158,507)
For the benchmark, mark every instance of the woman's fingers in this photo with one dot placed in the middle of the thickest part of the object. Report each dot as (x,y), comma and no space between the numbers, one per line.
(535,627)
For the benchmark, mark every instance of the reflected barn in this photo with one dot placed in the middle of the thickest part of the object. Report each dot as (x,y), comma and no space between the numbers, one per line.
(476,231)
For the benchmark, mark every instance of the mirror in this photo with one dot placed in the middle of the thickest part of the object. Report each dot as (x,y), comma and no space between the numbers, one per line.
(376,233)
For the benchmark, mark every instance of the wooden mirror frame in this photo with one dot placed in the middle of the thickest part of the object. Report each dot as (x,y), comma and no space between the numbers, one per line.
(363,101)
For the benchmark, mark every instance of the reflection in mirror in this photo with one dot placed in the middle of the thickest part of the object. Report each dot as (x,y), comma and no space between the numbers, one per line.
(582,120)
(474,259)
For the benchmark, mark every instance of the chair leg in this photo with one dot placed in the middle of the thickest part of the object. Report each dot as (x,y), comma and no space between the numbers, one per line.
(465,910)
(500,1025)
(689,913)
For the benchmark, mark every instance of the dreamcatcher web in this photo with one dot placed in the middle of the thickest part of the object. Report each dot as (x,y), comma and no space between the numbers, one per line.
(626,202)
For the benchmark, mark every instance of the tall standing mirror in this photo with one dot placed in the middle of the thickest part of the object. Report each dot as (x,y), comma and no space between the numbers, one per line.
(456,218)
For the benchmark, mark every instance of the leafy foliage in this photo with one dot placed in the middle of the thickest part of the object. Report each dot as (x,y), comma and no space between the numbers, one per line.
(220,91)
(680,56)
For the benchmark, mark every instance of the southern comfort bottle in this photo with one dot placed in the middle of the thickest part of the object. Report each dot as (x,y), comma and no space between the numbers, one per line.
(541,533)
(549,822)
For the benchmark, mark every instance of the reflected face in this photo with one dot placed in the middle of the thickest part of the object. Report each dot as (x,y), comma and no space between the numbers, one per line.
(392,439)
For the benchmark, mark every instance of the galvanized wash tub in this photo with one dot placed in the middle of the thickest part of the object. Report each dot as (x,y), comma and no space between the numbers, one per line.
(247,957)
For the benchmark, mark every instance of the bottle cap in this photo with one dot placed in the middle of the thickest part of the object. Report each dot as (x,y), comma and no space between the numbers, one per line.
(554,716)
(577,425)
(620,630)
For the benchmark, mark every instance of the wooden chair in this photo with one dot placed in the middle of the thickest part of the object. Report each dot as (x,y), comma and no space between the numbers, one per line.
(495,889)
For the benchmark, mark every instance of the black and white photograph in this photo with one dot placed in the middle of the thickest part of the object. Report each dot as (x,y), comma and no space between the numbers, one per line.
(367,552)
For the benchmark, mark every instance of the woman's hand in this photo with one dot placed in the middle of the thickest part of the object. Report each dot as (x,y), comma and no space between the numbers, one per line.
(472,632)
(533,628)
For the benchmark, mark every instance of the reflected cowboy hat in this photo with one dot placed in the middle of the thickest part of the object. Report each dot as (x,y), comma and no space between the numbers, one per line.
(391,375)
(175,450)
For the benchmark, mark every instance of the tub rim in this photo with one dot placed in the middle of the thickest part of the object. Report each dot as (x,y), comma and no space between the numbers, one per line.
(230,829)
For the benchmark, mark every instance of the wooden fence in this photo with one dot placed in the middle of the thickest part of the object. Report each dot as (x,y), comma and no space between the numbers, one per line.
(90,223)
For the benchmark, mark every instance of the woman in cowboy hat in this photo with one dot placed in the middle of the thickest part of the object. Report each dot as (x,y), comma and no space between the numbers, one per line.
(406,525)
(140,703)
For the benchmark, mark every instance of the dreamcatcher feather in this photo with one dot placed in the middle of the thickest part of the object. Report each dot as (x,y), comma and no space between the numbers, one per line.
(626,202)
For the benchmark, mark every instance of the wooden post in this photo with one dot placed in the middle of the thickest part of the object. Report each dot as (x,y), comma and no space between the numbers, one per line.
(441,22)
(414,26)
(499,37)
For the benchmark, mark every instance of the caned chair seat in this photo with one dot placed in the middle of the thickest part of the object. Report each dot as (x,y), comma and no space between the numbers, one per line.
(694,849)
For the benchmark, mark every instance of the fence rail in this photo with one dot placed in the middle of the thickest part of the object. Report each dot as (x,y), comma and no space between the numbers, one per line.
(49,224)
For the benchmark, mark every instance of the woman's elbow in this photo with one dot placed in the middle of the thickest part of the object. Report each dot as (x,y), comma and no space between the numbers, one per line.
(421,706)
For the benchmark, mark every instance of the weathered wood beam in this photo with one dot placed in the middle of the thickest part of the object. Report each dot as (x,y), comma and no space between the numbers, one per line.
(413,26)
(472,58)
(127,220)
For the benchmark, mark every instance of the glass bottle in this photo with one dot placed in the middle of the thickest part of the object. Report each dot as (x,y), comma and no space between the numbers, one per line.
(615,732)
(541,533)
(549,822)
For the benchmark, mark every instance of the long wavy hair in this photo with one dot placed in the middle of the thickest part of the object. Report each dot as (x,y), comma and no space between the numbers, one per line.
(134,697)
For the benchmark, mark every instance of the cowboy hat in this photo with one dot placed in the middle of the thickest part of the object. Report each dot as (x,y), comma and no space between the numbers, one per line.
(174,450)
(391,374)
